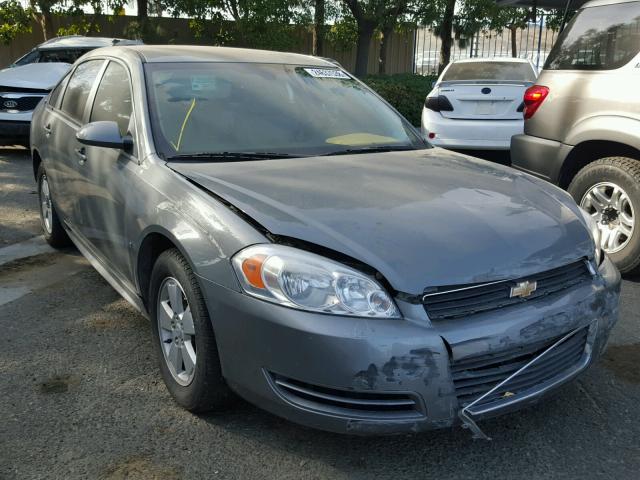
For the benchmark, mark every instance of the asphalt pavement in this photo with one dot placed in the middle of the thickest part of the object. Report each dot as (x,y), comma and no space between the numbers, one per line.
(81,395)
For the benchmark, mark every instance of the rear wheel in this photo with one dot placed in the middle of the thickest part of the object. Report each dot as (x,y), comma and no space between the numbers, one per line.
(183,336)
(609,189)
(52,229)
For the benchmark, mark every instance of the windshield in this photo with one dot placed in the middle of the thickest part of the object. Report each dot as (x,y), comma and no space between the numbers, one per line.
(62,55)
(513,71)
(267,108)
(598,38)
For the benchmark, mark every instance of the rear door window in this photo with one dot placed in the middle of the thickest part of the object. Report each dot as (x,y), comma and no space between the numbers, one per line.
(79,87)
(598,38)
(514,71)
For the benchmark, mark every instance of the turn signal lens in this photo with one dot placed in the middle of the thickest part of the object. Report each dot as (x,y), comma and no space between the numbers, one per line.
(533,98)
(252,269)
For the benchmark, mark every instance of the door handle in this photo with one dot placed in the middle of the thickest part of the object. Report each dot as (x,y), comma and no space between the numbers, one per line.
(80,152)
(47,129)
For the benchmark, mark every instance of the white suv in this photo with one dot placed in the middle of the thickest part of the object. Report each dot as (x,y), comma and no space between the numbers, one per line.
(30,78)
(477,103)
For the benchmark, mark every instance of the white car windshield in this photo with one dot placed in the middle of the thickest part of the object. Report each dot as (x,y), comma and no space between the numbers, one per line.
(487,70)
(199,108)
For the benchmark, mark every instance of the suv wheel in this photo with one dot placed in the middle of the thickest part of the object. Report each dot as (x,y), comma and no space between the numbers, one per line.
(52,229)
(183,336)
(609,189)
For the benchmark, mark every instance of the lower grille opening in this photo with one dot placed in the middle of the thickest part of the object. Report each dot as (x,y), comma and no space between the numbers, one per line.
(347,402)
(473,377)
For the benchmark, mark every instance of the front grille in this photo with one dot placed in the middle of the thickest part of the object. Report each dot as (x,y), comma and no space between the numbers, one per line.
(473,377)
(21,104)
(461,301)
(346,402)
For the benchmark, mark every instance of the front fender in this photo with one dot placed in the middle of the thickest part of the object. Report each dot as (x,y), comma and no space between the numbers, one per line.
(206,231)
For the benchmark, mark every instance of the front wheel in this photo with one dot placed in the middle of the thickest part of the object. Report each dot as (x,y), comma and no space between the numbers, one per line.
(183,336)
(609,189)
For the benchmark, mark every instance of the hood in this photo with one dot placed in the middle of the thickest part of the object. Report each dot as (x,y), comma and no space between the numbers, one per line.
(422,218)
(42,76)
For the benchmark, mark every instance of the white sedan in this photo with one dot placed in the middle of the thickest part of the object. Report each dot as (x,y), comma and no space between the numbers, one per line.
(477,103)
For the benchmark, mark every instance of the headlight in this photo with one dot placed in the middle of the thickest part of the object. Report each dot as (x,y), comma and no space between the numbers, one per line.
(307,281)
(595,235)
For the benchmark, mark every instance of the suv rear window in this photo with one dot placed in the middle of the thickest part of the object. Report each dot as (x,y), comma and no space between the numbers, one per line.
(517,71)
(598,38)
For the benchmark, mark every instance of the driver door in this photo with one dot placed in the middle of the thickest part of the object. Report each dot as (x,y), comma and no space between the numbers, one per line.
(110,174)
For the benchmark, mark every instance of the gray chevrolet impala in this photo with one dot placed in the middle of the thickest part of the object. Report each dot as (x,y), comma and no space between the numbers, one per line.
(294,240)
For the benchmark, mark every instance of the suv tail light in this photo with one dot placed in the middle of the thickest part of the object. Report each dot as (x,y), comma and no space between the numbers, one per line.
(533,98)
(438,104)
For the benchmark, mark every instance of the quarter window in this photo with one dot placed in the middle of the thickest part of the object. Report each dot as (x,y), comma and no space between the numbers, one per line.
(598,38)
(113,98)
(79,87)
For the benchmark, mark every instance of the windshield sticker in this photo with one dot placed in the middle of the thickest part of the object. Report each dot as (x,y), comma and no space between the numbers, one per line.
(327,73)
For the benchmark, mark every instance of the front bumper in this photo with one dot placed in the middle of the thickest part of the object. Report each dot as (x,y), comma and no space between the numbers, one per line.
(275,356)
(15,126)
(469,134)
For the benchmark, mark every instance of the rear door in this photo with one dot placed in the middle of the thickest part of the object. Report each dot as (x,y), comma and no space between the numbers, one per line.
(61,125)
(490,90)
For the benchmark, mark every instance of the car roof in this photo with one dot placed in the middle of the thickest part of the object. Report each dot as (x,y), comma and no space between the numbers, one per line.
(598,3)
(492,59)
(78,41)
(191,53)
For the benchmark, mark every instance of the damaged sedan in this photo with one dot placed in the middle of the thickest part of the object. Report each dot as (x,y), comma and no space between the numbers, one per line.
(295,241)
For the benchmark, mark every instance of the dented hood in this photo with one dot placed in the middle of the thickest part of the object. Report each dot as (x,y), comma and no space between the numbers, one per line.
(42,76)
(422,218)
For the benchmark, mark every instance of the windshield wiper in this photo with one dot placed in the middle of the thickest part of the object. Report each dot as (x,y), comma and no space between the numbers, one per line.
(380,149)
(226,156)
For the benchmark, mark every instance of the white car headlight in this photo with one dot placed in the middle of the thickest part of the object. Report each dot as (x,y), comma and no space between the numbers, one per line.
(306,281)
(595,235)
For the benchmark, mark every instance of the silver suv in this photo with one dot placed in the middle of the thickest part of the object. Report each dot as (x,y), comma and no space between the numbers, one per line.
(582,122)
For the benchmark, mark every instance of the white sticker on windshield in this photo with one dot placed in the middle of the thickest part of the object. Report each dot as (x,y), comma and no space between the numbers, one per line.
(327,73)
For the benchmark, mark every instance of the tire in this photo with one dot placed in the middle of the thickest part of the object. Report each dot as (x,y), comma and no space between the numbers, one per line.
(606,175)
(52,228)
(203,387)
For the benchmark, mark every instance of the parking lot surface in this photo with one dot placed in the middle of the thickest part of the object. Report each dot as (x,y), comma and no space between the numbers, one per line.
(81,396)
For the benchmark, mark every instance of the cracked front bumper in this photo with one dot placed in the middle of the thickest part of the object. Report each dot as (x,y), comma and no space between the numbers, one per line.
(362,376)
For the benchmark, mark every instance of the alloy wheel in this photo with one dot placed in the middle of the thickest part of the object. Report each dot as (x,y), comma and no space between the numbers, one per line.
(46,209)
(611,208)
(176,331)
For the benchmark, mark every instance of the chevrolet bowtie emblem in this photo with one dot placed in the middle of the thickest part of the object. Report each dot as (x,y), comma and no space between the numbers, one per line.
(507,394)
(523,289)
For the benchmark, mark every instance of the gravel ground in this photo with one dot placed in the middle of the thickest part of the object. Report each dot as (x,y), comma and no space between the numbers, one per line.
(81,397)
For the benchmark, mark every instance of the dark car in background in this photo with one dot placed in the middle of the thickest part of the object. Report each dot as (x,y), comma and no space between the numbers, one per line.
(582,123)
(293,239)
(30,78)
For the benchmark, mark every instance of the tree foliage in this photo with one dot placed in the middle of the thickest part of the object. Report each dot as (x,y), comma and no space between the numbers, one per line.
(14,20)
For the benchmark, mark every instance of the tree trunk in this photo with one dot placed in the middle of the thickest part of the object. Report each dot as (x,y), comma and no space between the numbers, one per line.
(384,50)
(143,9)
(514,43)
(318,28)
(446,35)
(365,32)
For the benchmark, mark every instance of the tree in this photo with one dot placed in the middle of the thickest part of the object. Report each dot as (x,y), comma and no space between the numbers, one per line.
(369,16)
(319,11)
(41,11)
(14,19)
(513,19)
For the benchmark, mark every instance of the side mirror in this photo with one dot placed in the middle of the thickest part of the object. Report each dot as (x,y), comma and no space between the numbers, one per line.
(433,85)
(103,134)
